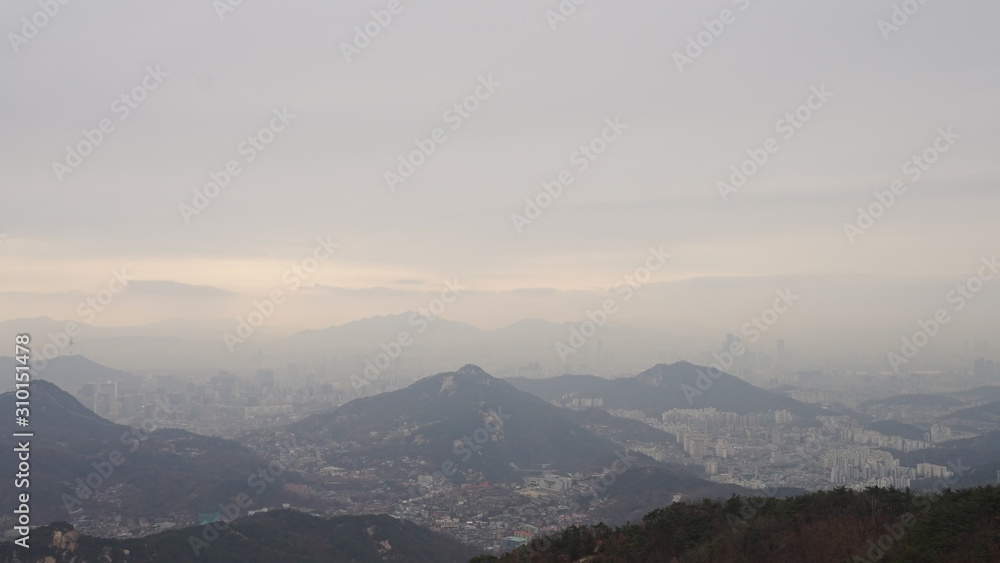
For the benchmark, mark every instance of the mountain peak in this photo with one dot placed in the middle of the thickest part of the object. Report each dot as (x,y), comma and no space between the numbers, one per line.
(471,369)
(669,373)
(512,429)
(466,377)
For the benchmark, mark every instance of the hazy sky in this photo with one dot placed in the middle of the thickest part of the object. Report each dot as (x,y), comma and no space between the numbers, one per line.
(220,80)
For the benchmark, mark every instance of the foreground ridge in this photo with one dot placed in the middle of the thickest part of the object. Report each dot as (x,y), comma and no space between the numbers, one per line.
(838,525)
(277,536)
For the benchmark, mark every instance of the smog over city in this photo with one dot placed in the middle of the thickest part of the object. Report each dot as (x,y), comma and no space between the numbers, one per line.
(441,281)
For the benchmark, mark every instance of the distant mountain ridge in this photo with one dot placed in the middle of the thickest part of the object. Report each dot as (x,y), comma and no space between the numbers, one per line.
(664,387)
(190,344)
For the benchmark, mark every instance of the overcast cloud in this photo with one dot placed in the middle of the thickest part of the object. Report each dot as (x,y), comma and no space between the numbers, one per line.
(323,176)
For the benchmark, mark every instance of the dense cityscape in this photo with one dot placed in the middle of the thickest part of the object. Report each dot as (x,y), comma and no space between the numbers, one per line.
(765,451)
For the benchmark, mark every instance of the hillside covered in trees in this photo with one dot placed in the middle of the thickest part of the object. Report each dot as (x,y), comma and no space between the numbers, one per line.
(833,526)
(278,536)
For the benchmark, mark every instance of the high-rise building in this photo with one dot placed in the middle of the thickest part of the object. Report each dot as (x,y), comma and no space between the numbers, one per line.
(984,368)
